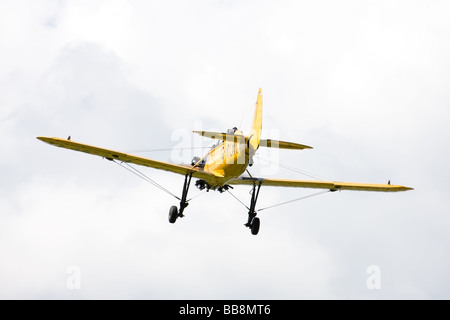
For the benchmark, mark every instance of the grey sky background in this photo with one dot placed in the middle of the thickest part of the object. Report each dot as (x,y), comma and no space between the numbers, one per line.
(366,83)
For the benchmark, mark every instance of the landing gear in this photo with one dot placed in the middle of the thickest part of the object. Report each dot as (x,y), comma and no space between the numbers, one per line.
(253,222)
(174,213)
(254,226)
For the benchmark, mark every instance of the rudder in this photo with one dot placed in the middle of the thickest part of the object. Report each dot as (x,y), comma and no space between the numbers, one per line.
(255,132)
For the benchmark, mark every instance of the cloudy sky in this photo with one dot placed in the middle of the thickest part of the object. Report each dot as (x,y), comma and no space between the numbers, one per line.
(366,83)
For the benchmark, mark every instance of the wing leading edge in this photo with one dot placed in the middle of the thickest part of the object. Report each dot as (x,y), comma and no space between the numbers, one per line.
(331,185)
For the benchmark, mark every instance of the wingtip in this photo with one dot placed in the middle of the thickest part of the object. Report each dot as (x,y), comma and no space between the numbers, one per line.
(49,140)
(402,188)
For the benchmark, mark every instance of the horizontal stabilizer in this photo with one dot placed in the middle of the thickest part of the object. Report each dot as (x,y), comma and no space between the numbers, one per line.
(221,136)
(270,143)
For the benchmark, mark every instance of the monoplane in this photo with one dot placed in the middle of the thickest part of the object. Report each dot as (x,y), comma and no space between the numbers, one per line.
(223,166)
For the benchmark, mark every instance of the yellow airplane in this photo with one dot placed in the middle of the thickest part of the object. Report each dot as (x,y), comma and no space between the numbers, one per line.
(223,166)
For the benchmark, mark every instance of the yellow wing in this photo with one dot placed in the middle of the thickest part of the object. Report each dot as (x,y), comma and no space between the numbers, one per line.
(115,155)
(333,186)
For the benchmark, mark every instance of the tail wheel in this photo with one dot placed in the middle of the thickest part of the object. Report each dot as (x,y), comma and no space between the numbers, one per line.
(173,214)
(254,227)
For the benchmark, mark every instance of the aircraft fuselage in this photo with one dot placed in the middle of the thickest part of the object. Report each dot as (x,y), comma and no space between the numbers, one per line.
(229,159)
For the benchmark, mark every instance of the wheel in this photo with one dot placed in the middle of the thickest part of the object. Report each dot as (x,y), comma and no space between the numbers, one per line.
(173,214)
(254,227)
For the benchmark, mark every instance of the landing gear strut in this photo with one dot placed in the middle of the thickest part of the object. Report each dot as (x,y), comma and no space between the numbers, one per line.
(174,213)
(253,222)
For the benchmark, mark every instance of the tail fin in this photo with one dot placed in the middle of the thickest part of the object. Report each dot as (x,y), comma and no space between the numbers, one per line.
(255,132)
